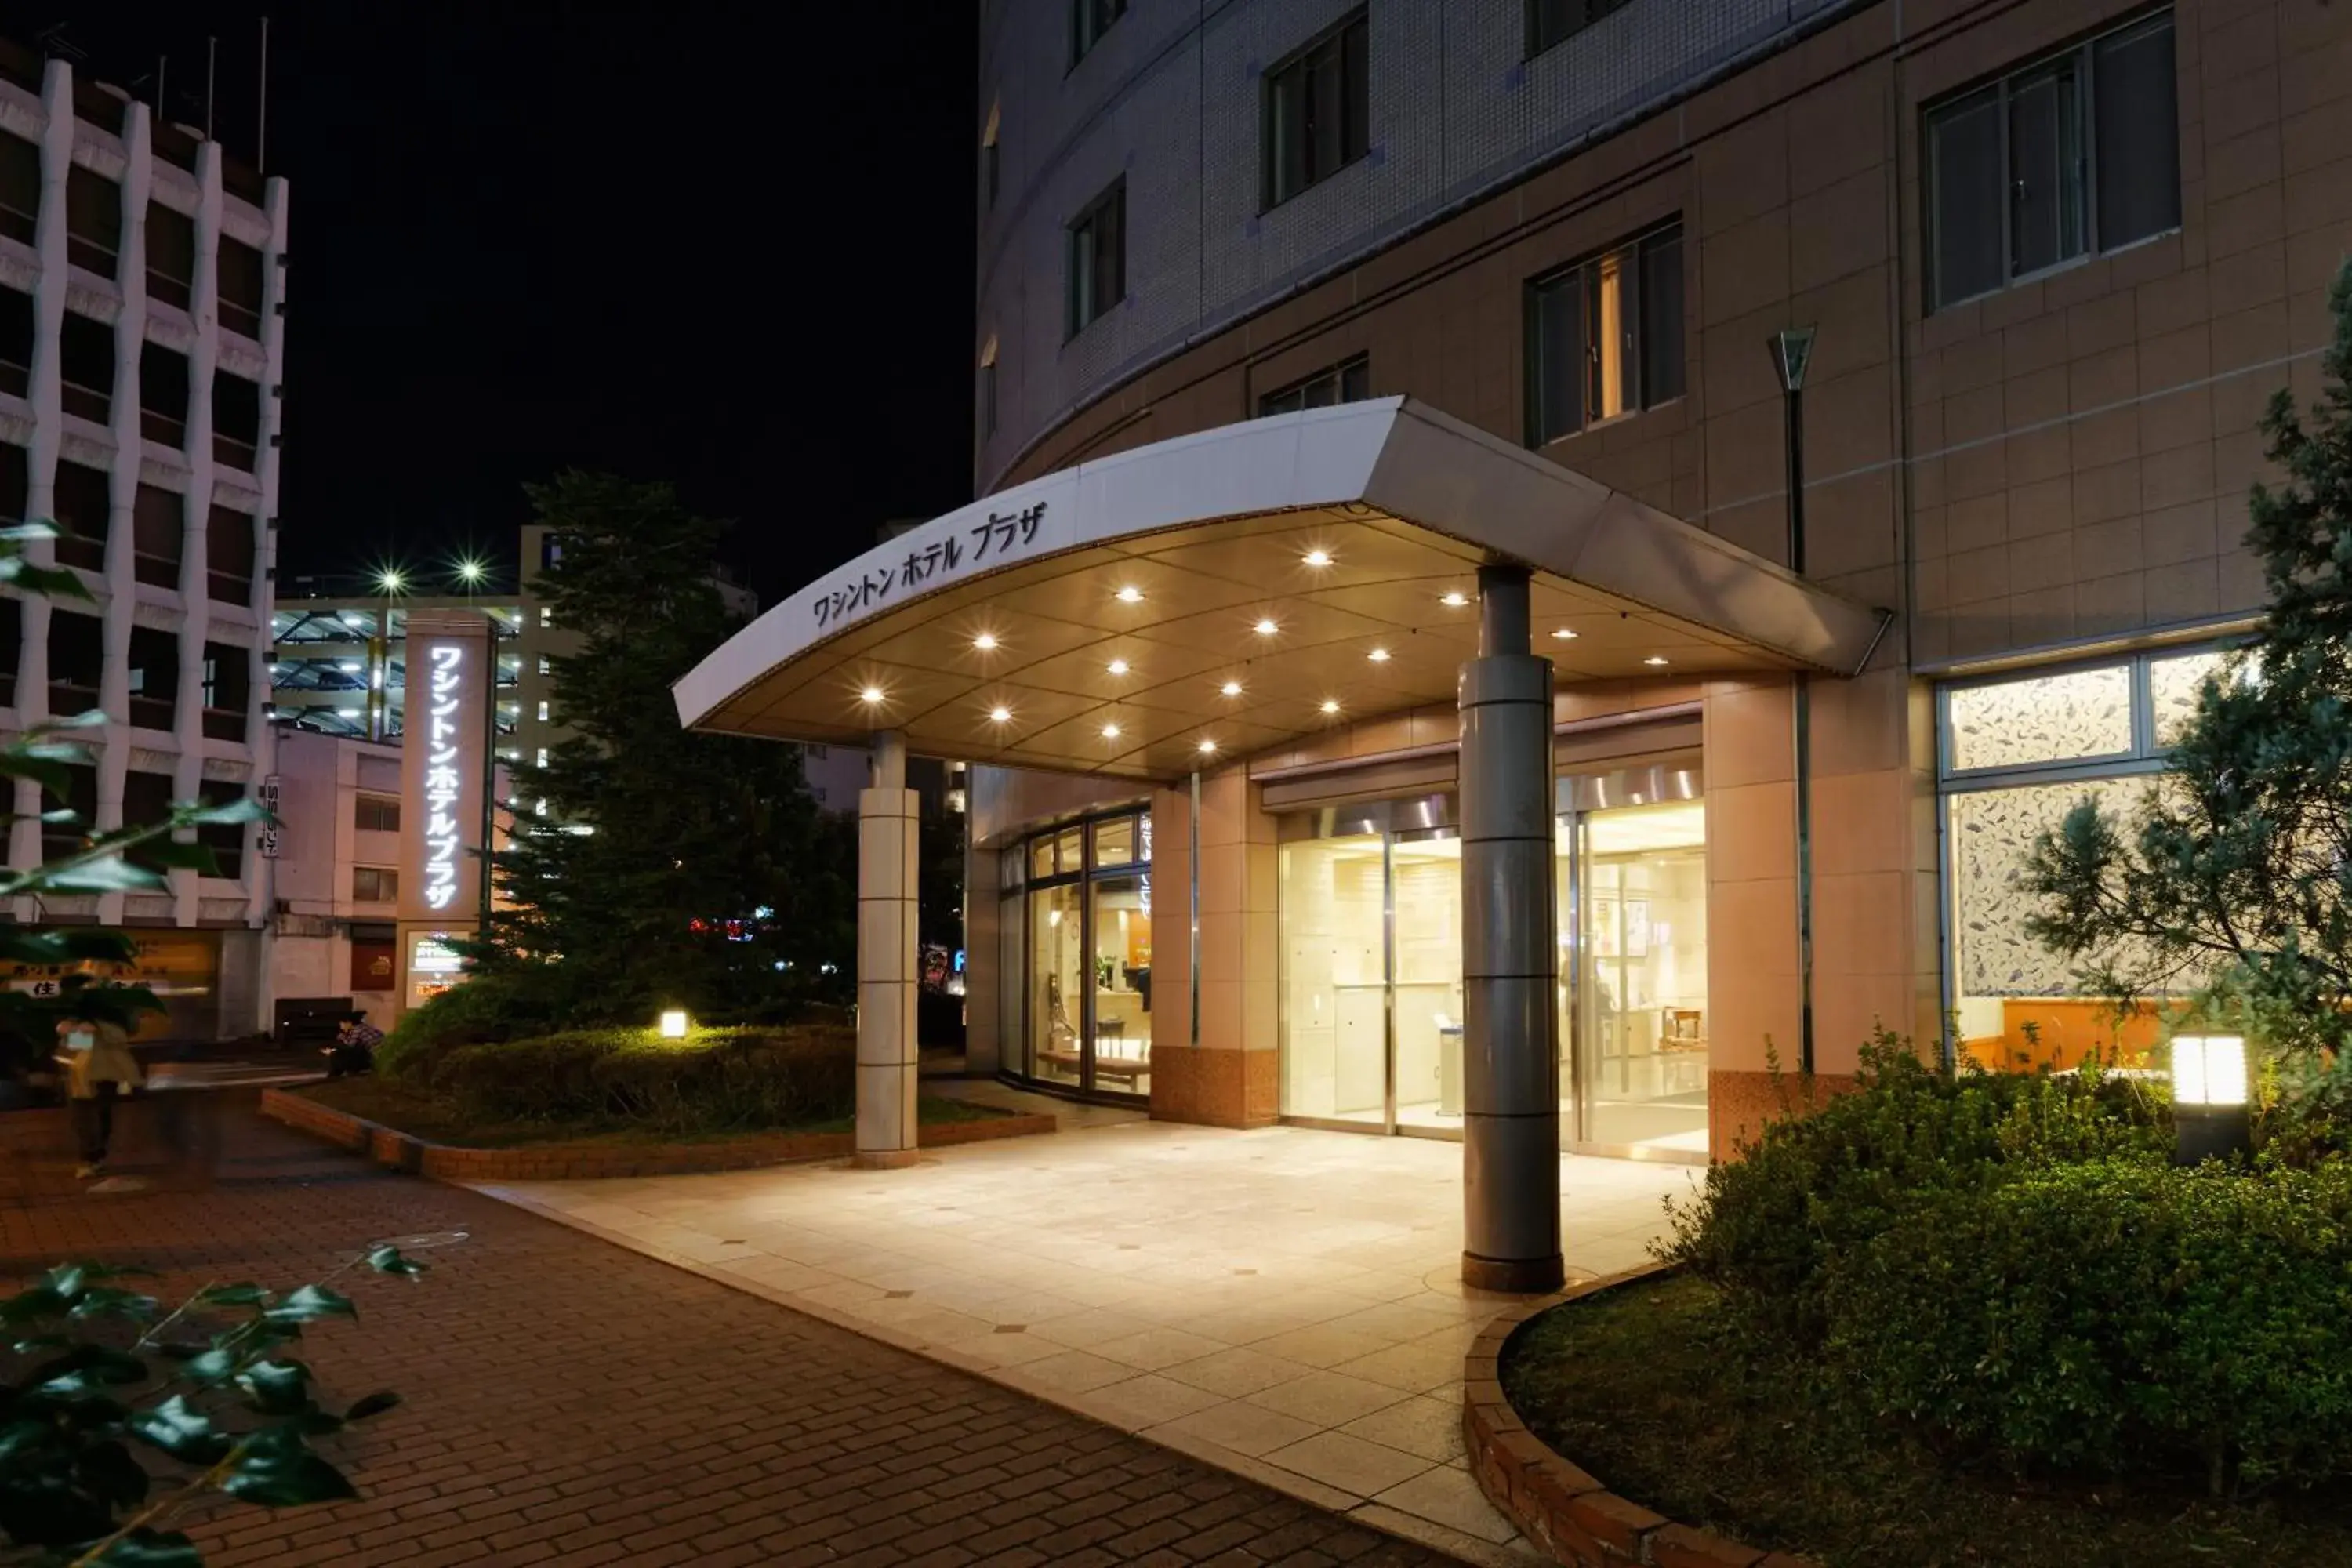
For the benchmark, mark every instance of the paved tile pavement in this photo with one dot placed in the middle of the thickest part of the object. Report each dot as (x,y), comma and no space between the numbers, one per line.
(571,1403)
(1282,1303)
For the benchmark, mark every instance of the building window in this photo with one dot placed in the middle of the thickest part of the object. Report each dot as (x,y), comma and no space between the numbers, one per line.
(163,395)
(1552,21)
(1090,20)
(237,420)
(986,394)
(225,839)
(543,709)
(227,684)
(83,509)
(542,756)
(64,839)
(159,522)
(239,274)
(86,366)
(15,341)
(1350,381)
(2071,156)
(154,678)
(228,556)
(375,813)
(543,666)
(94,221)
(146,798)
(1097,258)
(2016,754)
(171,256)
(1605,336)
(992,162)
(1318,111)
(374,885)
(77,660)
(20,188)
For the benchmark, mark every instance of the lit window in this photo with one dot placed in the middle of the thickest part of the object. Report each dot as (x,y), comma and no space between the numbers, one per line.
(543,709)
(542,756)
(547,614)
(1605,337)
(2074,155)
(2043,719)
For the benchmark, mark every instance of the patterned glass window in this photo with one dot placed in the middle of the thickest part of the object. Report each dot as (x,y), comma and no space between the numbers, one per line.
(2079,714)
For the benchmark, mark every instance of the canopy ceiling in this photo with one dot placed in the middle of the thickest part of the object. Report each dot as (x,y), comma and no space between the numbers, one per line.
(1107,619)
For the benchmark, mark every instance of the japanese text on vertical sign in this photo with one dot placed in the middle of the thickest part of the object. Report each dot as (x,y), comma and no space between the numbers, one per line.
(442,783)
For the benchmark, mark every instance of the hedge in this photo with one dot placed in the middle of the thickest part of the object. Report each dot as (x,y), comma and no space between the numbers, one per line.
(714,1081)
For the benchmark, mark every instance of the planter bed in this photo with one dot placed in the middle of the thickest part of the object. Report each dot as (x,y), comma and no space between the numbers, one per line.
(527,1153)
(1604,1424)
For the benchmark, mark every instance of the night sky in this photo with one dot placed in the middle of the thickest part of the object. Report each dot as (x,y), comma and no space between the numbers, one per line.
(672,241)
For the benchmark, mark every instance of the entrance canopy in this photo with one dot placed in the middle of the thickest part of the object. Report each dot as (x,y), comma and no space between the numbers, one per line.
(1238,590)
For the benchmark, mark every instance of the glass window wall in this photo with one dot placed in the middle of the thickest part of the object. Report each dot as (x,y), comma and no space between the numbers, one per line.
(2018,754)
(1369,906)
(1076,957)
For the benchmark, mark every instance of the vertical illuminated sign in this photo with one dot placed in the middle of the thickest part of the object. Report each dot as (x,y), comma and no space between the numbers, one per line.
(443,783)
(444,674)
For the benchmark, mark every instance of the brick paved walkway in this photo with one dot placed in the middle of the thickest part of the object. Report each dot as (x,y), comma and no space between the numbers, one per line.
(572,1403)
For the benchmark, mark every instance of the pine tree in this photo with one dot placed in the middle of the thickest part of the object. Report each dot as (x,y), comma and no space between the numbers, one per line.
(671,869)
(2231,881)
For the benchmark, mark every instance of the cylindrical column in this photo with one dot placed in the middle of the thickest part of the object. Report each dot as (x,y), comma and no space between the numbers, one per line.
(1510,1125)
(888,816)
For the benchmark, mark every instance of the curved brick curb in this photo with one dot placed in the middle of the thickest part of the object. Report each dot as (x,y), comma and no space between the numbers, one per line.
(1567,1513)
(398,1151)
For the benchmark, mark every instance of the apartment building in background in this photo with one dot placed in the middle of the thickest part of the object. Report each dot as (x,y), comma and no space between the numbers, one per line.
(142,315)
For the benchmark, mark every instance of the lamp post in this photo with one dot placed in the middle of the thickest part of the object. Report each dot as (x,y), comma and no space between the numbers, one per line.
(1792,353)
(2210,1118)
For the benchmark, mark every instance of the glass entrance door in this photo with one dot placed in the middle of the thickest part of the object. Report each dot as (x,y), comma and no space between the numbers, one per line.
(1638,1068)
(1334,923)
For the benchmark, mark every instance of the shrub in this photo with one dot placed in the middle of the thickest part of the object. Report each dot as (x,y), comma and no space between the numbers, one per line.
(1815,1187)
(2113,1315)
(485,1008)
(714,1081)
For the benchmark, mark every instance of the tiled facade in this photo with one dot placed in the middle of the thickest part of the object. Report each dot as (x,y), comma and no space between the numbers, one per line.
(2052,466)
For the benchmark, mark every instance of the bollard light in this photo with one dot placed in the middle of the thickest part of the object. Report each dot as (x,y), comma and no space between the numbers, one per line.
(2208,1098)
(673,1024)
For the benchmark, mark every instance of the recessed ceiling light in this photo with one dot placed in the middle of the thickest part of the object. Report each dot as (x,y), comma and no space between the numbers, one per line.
(1455,600)
(1000,715)
(870,696)
(985,642)
(1231,688)
(1318,558)
(1378,655)
(1330,705)
(1118,667)
(1655,658)
(1564,634)
(1266,627)
(1208,745)
(1110,731)
(1130,594)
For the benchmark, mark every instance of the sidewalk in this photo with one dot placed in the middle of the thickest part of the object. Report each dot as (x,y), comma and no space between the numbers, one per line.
(1282,1304)
(570,1404)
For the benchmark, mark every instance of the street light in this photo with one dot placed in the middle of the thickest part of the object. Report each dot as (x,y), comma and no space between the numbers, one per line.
(471,572)
(2210,1118)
